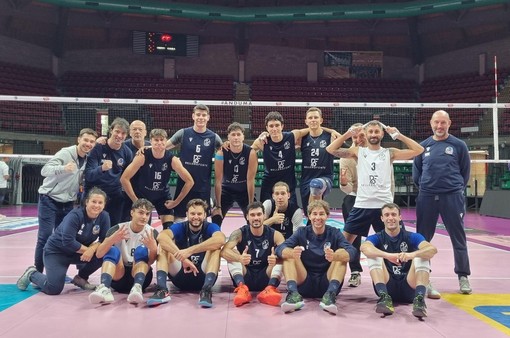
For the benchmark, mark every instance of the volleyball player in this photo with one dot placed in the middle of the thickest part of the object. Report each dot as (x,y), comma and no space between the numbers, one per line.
(399,263)
(234,172)
(148,175)
(198,147)
(281,213)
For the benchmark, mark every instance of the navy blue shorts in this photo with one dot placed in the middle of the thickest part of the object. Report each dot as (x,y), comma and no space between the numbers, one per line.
(360,220)
(315,285)
(188,281)
(399,289)
(255,280)
(125,284)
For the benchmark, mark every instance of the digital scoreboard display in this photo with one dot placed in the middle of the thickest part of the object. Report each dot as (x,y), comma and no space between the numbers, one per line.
(161,43)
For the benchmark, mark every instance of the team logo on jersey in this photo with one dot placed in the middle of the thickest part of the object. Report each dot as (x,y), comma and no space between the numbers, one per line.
(242,161)
(164,167)
(448,150)
(404,247)
(95,229)
(327,246)
(323,144)
(286,145)
(265,244)
(382,156)
(207,142)
(120,162)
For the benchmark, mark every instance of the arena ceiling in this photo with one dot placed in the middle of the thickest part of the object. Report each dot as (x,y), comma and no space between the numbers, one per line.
(411,29)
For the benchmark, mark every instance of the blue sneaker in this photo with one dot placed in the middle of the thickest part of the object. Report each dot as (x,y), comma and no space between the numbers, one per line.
(205,299)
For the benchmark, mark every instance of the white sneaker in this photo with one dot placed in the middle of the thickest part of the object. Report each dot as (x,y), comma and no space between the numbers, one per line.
(102,295)
(432,293)
(136,294)
(355,279)
(464,286)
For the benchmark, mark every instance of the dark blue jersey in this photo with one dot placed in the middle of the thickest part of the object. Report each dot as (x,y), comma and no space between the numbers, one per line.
(259,247)
(184,237)
(77,229)
(196,154)
(443,167)
(151,181)
(316,161)
(109,180)
(313,256)
(286,227)
(404,242)
(279,161)
(235,170)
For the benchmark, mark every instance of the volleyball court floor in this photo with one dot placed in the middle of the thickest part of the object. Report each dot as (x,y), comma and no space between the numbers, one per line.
(485,313)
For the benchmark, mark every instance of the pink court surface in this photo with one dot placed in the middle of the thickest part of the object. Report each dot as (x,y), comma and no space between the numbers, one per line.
(485,313)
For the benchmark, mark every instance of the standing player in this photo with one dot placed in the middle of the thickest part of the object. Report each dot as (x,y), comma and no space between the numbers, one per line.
(441,174)
(189,255)
(374,171)
(399,263)
(234,172)
(317,163)
(279,153)
(349,185)
(251,259)
(281,213)
(198,146)
(148,175)
(105,165)
(63,179)
(137,134)
(128,251)
(315,259)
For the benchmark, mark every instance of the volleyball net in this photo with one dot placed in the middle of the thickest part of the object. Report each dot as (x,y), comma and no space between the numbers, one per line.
(33,128)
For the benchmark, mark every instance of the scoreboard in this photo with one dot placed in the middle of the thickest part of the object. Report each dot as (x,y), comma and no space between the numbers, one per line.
(161,43)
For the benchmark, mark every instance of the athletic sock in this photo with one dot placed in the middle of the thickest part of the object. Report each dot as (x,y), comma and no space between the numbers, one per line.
(334,286)
(139,278)
(238,279)
(274,282)
(106,279)
(420,290)
(292,285)
(381,287)
(161,279)
(210,278)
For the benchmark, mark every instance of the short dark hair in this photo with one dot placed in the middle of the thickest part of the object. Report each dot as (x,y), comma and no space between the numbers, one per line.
(95,191)
(120,122)
(390,206)
(142,203)
(255,205)
(273,116)
(158,133)
(197,202)
(235,126)
(201,107)
(88,131)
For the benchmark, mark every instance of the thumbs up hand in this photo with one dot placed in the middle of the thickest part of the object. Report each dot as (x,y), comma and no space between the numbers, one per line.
(245,258)
(271,259)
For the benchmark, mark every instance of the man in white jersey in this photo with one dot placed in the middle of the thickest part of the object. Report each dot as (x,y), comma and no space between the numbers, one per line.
(374,171)
(128,251)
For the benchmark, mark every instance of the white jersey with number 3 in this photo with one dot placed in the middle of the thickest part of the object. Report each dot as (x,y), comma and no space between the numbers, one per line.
(374,178)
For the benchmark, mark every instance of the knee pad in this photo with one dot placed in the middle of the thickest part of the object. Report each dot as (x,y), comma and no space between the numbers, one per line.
(421,264)
(319,186)
(113,255)
(235,268)
(141,254)
(375,263)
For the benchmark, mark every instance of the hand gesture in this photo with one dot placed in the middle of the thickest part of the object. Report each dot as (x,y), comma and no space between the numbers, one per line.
(271,259)
(245,258)
(121,233)
(329,254)
(101,140)
(107,165)
(263,137)
(278,217)
(394,259)
(189,267)
(149,241)
(297,252)
(393,132)
(70,167)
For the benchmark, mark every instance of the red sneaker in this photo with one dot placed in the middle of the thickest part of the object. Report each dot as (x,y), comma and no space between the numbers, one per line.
(270,296)
(242,296)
